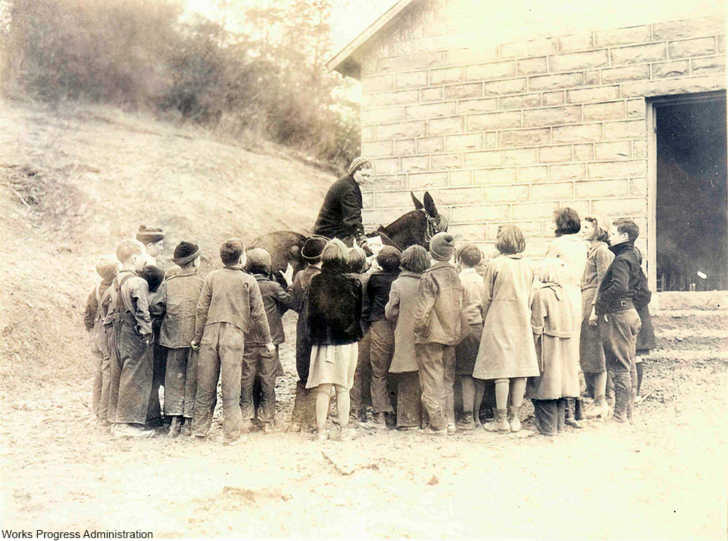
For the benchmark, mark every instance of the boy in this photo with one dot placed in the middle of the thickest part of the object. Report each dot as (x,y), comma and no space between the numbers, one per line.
(97,306)
(438,328)
(303,407)
(230,305)
(258,361)
(467,351)
(153,240)
(381,333)
(619,323)
(131,366)
(177,331)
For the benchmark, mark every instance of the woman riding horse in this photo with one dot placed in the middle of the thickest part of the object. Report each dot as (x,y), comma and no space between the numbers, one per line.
(340,214)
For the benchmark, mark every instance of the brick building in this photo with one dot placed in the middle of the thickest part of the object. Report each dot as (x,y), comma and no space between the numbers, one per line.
(605,121)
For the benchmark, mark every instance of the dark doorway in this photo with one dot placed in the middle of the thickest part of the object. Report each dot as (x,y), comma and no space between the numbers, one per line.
(692,214)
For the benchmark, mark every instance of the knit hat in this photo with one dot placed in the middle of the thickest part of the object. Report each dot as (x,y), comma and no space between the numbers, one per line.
(313,247)
(146,234)
(185,252)
(357,163)
(442,247)
(258,259)
(107,267)
(153,275)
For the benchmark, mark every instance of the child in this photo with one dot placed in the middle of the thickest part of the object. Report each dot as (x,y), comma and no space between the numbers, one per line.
(177,331)
(645,339)
(131,366)
(154,277)
(153,240)
(230,305)
(438,328)
(619,322)
(333,319)
(467,350)
(381,331)
(554,332)
(360,394)
(302,407)
(400,311)
(507,353)
(258,361)
(97,306)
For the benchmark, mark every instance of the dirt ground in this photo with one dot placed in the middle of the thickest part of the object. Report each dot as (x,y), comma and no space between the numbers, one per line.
(664,477)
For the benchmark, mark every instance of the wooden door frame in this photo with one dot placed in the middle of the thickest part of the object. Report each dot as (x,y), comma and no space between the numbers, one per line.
(653,105)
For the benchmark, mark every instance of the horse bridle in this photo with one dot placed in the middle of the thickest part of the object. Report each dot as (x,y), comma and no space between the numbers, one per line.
(434,226)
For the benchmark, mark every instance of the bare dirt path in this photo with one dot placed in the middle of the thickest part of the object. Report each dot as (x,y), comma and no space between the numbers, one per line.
(663,477)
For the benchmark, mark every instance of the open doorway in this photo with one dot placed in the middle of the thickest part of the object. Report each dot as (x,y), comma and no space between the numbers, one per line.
(692,193)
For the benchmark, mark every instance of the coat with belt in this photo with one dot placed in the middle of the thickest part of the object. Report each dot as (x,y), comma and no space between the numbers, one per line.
(340,214)
(400,310)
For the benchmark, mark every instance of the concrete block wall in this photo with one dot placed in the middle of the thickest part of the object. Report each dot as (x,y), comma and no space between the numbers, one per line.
(508,134)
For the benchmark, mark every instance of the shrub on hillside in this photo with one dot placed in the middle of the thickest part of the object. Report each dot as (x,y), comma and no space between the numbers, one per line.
(137,54)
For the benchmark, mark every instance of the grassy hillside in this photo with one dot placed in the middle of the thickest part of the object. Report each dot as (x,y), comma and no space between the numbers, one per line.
(75,181)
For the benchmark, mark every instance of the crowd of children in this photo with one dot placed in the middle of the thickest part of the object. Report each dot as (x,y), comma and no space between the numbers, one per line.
(419,331)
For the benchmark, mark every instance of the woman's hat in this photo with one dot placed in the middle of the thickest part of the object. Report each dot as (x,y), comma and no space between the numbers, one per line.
(185,252)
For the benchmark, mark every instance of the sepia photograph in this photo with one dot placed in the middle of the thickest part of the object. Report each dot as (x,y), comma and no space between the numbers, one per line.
(363,269)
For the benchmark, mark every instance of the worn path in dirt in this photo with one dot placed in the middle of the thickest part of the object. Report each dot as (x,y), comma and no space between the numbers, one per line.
(663,477)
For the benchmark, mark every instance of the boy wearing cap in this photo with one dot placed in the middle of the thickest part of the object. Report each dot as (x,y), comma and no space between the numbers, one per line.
(303,406)
(131,360)
(438,329)
(258,361)
(230,306)
(97,306)
(153,240)
(180,298)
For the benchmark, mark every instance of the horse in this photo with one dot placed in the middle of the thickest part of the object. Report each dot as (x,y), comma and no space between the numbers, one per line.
(414,227)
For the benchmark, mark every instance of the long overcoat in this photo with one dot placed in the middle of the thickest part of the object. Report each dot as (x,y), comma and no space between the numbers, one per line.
(401,309)
(506,346)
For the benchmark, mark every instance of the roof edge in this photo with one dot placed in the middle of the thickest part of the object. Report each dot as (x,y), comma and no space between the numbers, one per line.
(344,61)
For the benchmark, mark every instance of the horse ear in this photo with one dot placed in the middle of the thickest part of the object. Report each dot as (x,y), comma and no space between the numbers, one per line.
(430,207)
(417,202)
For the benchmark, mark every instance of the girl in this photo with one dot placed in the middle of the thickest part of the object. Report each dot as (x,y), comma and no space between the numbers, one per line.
(400,310)
(507,353)
(333,319)
(555,336)
(591,352)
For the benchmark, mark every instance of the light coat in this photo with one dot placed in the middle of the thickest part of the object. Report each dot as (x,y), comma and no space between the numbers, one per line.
(400,309)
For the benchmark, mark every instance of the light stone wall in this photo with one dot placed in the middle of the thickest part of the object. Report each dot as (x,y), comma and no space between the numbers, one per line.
(508,134)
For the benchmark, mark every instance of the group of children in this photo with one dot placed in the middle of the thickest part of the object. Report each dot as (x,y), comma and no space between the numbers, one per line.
(418,331)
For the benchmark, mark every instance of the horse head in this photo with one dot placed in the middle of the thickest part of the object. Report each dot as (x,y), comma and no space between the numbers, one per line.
(436,223)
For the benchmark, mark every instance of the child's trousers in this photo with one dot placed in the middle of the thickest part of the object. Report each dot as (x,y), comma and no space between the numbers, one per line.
(135,364)
(100,392)
(220,357)
(409,399)
(381,335)
(258,361)
(550,415)
(437,379)
(180,382)
(619,337)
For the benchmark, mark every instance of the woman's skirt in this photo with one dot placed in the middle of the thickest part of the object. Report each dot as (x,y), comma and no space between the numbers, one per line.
(332,364)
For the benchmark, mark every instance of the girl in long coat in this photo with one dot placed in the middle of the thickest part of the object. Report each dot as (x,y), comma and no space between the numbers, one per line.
(507,353)
(570,247)
(334,320)
(555,336)
(591,351)
(400,310)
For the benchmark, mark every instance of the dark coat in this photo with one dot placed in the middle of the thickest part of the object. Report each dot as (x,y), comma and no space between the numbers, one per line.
(276,301)
(335,307)
(340,214)
(378,288)
(620,281)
